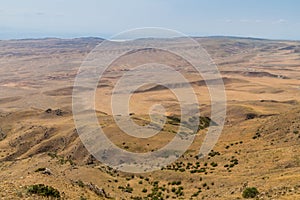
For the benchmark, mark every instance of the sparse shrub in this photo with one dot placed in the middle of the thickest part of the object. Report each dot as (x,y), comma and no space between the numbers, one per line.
(144,190)
(213,164)
(214,153)
(43,190)
(128,189)
(257,135)
(137,198)
(195,194)
(41,169)
(235,161)
(82,198)
(80,183)
(52,155)
(202,170)
(250,192)
(155,183)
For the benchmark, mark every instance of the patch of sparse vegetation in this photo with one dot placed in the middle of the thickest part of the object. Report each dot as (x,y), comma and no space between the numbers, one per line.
(41,169)
(214,164)
(204,122)
(156,191)
(236,143)
(82,198)
(250,192)
(144,190)
(127,188)
(2,135)
(61,159)
(214,153)
(43,190)
(257,135)
(233,162)
(80,183)
(176,183)
(196,194)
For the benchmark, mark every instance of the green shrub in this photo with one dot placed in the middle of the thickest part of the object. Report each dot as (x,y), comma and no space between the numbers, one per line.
(250,192)
(195,194)
(83,198)
(144,190)
(43,190)
(176,182)
(79,183)
(213,164)
(155,183)
(214,153)
(40,169)
(128,189)
(182,170)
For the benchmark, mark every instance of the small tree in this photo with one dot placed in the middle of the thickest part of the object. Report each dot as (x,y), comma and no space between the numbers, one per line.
(250,192)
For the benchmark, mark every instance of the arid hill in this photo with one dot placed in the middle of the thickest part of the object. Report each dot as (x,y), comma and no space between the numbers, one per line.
(259,146)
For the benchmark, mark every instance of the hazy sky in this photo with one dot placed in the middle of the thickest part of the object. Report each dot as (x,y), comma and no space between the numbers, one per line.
(275,19)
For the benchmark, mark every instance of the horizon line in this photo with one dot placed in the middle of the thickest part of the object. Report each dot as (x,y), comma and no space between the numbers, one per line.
(106,38)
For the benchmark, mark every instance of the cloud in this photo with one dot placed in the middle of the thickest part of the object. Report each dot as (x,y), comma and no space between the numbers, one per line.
(242,21)
(250,21)
(228,20)
(40,13)
(280,21)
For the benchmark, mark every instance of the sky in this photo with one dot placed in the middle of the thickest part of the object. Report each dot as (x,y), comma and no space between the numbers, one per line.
(271,19)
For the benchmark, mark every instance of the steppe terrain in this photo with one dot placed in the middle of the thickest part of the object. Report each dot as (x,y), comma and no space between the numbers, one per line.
(259,145)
